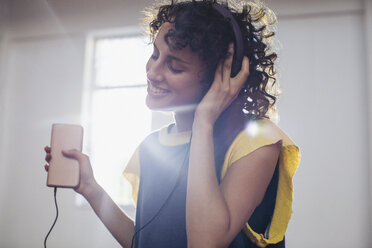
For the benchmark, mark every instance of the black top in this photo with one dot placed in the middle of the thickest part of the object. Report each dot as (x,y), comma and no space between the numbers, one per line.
(161,204)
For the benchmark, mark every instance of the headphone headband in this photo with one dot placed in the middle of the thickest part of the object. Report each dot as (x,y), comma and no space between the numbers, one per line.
(238,48)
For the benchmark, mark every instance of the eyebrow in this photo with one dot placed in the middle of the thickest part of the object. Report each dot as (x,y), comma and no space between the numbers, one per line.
(173,57)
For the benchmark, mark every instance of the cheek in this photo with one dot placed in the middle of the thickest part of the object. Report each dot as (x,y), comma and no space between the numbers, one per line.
(194,92)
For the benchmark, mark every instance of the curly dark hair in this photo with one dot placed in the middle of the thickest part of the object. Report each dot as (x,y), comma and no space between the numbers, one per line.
(198,25)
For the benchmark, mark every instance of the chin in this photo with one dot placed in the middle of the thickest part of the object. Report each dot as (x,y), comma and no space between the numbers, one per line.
(155,105)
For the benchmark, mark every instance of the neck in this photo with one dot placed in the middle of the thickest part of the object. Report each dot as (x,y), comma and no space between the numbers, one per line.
(184,121)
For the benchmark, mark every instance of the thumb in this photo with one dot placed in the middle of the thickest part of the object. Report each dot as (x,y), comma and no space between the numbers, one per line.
(73,153)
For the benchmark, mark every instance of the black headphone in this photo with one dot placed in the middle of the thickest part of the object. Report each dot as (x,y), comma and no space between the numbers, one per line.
(238,45)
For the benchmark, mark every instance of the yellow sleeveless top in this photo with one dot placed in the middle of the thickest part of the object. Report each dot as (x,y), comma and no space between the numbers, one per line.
(257,134)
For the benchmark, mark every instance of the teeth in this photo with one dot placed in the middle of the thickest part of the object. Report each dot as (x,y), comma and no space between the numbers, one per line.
(156,90)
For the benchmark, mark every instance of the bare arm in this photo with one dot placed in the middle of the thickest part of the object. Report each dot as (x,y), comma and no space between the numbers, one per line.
(216,213)
(115,220)
(111,215)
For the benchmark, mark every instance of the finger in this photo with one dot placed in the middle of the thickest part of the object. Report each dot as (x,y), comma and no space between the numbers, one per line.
(228,63)
(46,167)
(48,157)
(243,74)
(47,149)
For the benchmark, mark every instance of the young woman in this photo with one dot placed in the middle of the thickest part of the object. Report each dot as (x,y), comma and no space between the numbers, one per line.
(221,175)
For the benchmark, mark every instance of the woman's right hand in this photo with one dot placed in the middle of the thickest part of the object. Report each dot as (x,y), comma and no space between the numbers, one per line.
(87,181)
(111,215)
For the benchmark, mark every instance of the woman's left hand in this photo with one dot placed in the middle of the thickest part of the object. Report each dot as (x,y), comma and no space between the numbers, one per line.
(223,90)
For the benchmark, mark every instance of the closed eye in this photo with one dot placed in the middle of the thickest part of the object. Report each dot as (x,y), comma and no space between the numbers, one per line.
(173,69)
(169,61)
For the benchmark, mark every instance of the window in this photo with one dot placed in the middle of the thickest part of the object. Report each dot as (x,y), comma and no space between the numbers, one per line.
(116,118)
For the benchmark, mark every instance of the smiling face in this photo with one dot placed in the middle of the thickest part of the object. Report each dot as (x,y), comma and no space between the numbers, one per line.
(173,76)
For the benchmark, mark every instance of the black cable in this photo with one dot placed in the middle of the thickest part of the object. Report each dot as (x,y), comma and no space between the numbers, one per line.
(55,220)
(169,196)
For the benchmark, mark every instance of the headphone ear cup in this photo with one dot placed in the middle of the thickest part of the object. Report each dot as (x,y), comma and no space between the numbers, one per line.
(238,44)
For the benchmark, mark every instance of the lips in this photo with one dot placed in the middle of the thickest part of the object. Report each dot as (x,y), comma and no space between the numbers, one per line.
(156,91)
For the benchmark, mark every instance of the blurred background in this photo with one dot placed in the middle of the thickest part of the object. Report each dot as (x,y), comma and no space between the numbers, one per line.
(82,61)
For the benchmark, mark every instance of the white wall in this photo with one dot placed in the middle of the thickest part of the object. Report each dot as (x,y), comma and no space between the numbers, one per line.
(3,22)
(328,117)
(368,41)
(323,107)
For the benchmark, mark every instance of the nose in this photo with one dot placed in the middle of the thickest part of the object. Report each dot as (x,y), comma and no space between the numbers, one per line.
(154,70)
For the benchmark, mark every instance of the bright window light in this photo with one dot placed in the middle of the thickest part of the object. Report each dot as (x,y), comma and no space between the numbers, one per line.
(117,118)
(121,61)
